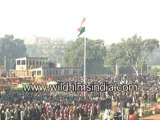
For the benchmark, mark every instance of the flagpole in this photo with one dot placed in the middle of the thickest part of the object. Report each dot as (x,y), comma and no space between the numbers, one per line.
(84,74)
(81,30)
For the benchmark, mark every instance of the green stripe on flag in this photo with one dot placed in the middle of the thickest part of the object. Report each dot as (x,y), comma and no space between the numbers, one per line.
(82,30)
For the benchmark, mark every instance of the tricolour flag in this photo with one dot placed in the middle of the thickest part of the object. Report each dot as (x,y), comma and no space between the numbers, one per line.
(81,29)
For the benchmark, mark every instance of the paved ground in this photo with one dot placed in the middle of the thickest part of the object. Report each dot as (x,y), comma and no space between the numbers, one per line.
(152,117)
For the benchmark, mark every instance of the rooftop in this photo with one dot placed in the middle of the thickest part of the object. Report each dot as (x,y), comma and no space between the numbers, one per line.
(33,58)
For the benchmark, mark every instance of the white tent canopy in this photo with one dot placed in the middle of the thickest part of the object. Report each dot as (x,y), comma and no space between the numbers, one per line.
(51,83)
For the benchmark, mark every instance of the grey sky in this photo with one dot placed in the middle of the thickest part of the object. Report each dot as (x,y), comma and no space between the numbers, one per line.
(106,19)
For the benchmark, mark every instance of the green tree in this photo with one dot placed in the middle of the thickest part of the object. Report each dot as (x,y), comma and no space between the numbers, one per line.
(138,50)
(115,54)
(133,52)
(74,53)
(11,48)
(53,49)
(154,58)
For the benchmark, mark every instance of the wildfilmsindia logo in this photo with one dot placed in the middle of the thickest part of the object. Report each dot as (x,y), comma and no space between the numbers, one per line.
(75,87)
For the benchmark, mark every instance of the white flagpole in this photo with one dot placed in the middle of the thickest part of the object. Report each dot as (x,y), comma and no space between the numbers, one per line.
(84,74)
(117,68)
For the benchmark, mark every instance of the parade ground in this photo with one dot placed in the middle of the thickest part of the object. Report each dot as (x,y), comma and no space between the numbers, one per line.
(152,117)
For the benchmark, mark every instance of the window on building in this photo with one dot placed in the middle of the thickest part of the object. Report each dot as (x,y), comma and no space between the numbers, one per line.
(38,72)
(47,72)
(53,72)
(18,62)
(40,62)
(56,72)
(33,73)
(33,62)
(37,62)
(66,71)
(23,62)
(50,72)
(44,72)
(60,72)
(30,62)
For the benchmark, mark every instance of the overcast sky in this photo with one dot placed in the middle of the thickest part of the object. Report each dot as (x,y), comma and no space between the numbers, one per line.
(110,20)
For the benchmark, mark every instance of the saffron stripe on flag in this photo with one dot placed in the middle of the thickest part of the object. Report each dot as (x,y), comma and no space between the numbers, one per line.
(81,24)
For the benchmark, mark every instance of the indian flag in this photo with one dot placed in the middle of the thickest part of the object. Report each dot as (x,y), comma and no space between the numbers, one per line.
(81,29)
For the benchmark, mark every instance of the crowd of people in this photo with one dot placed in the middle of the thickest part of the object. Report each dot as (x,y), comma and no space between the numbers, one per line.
(20,105)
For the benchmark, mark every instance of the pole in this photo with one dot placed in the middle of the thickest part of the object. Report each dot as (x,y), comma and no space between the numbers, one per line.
(84,75)
(147,69)
(5,63)
(122,114)
(117,72)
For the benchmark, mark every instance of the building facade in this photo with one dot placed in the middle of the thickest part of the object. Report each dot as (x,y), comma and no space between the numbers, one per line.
(25,65)
(60,71)
(39,67)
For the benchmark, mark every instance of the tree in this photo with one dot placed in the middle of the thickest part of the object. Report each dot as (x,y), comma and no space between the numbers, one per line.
(74,53)
(115,54)
(154,58)
(148,45)
(19,49)
(138,50)
(11,48)
(33,50)
(53,49)
(132,52)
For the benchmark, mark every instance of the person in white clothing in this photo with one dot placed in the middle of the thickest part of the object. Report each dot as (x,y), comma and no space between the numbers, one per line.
(140,112)
(22,114)
(7,114)
(106,115)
